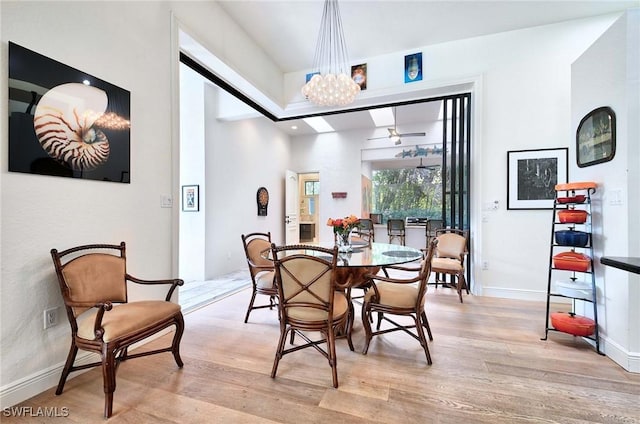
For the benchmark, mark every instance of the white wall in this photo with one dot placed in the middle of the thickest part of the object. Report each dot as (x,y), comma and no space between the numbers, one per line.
(608,74)
(522,99)
(241,157)
(128,44)
(192,166)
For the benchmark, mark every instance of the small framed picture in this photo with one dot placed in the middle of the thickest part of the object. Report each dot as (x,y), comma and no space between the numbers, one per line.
(413,67)
(190,198)
(596,137)
(532,176)
(359,75)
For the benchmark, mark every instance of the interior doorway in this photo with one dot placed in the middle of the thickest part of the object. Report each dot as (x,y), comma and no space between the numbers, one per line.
(309,206)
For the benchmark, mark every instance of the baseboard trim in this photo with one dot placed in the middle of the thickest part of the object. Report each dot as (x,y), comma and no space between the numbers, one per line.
(630,361)
(41,381)
(36,383)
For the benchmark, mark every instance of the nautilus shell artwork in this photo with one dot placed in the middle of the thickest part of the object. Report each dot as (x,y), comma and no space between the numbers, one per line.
(65,124)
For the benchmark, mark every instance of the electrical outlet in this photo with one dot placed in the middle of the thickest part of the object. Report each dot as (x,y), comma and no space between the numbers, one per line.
(485,265)
(50,317)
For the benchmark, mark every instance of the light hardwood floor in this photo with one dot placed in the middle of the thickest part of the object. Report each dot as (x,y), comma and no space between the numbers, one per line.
(489,366)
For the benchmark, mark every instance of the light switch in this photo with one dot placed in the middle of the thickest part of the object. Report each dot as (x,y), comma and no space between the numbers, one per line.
(615,197)
(166,201)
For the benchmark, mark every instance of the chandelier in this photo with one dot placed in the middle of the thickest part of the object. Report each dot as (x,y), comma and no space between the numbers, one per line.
(332,84)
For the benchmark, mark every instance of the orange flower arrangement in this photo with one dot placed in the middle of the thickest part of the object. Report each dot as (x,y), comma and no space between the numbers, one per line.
(344,225)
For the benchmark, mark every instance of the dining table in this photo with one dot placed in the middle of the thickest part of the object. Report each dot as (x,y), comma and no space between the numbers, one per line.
(364,259)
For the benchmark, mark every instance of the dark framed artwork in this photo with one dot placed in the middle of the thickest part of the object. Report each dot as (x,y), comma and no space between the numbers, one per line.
(190,198)
(359,75)
(532,176)
(413,67)
(596,137)
(65,122)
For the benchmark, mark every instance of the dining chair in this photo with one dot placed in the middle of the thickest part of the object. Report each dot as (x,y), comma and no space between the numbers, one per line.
(402,297)
(430,230)
(309,302)
(450,256)
(93,281)
(395,229)
(261,269)
(364,234)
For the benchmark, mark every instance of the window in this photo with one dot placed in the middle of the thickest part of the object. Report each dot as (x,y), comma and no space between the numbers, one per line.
(311,188)
(399,193)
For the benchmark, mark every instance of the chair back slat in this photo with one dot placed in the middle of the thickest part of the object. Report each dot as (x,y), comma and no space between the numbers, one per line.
(305,280)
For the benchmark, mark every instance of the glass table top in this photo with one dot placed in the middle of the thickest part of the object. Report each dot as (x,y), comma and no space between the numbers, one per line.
(379,254)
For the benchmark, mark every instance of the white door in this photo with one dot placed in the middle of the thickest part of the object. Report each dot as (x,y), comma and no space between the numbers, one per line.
(292,228)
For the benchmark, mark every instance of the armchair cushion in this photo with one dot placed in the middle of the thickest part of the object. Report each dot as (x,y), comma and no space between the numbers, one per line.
(106,274)
(128,318)
(448,264)
(340,307)
(264,279)
(255,250)
(451,246)
(395,295)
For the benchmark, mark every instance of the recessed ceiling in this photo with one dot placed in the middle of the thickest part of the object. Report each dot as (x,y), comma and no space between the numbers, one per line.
(287,30)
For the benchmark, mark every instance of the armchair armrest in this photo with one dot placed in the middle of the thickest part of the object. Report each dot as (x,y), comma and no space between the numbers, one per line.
(175,282)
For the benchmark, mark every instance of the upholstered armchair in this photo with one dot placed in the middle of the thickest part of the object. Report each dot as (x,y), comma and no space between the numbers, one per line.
(93,280)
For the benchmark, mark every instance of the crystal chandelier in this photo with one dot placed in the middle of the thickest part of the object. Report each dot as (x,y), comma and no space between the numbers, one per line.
(331,85)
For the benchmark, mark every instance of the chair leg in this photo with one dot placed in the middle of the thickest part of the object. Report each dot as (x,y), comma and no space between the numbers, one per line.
(349,324)
(380,315)
(177,337)
(253,298)
(67,367)
(366,318)
(425,322)
(281,341)
(423,340)
(461,282)
(331,348)
(109,378)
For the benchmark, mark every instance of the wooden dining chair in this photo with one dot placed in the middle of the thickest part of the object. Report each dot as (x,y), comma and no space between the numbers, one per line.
(309,302)
(364,233)
(449,258)
(399,296)
(396,230)
(261,269)
(431,226)
(93,280)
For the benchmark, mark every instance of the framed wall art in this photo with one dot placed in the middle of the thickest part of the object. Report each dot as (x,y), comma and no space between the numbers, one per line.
(190,198)
(359,75)
(413,67)
(596,137)
(532,176)
(65,122)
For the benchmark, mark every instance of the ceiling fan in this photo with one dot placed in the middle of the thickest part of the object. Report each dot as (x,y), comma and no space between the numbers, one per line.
(394,135)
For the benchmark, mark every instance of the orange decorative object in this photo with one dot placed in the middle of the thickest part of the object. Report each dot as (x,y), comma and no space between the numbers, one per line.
(580,198)
(572,216)
(571,323)
(576,186)
(571,261)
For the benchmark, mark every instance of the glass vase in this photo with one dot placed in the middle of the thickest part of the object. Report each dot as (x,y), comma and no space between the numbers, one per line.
(343,241)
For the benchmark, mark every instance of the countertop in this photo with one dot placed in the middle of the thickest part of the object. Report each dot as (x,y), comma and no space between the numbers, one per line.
(630,264)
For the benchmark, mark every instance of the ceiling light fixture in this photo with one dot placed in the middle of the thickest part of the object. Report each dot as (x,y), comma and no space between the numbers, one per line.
(331,85)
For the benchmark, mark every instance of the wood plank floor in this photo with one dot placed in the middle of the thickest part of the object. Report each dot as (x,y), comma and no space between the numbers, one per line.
(489,366)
